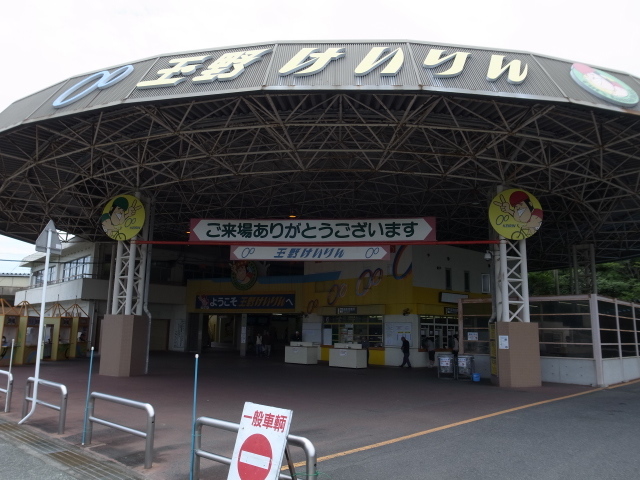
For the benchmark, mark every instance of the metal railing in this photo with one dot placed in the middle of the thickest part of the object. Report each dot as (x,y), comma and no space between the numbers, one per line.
(151,421)
(62,408)
(304,443)
(7,391)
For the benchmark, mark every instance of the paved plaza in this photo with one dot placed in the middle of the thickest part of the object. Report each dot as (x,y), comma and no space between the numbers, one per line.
(378,423)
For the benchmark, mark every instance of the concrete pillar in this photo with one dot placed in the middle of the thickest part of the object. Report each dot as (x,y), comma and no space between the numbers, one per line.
(123,345)
(519,364)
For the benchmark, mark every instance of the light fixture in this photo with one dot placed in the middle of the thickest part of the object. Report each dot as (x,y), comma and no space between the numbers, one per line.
(487,255)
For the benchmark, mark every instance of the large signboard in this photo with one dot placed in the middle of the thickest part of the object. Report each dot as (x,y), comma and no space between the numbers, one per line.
(416,66)
(309,254)
(314,232)
(285,301)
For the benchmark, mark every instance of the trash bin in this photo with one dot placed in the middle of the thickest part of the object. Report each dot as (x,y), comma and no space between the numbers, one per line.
(446,366)
(465,367)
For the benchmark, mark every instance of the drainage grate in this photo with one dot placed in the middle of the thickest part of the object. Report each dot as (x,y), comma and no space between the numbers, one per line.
(77,462)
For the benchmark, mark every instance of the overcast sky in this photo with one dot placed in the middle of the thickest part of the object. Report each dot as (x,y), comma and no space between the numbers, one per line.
(46,41)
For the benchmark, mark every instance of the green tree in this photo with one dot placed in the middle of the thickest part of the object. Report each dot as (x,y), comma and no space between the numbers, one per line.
(615,279)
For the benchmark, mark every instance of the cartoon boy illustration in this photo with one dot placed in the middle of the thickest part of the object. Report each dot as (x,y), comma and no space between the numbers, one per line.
(243,274)
(117,217)
(603,85)
(599,82)
(522,210)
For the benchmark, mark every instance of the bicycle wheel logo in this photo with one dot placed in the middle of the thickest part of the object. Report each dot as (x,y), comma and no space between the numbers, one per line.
(312,305)
(368,280)
(336,292)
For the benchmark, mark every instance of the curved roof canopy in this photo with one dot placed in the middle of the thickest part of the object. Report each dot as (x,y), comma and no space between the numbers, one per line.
(375,129)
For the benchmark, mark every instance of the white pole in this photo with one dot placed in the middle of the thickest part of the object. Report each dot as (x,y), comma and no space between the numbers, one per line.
(13,344)
(504,285)
(524,273)
(45,276)
(128,305)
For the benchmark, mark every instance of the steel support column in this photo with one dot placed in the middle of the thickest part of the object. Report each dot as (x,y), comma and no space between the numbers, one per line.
(512,295)
(583,269)
(129,278)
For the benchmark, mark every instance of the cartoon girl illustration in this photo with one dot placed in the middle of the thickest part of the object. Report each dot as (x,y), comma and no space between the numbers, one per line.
(119,216)
(522,210)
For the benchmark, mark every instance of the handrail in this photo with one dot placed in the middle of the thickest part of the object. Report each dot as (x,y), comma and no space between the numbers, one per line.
(62,408)
(8,390)
(151,420)
(304,443)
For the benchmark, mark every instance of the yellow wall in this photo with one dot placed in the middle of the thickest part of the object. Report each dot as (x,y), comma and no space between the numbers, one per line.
(391,295)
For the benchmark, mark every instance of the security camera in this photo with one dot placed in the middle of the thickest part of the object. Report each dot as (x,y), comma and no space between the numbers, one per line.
(487,255)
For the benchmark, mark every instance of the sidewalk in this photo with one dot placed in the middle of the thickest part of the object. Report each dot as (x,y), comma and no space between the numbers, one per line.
(338,410)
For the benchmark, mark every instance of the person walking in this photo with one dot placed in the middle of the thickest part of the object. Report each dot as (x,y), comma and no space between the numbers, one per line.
(405,353)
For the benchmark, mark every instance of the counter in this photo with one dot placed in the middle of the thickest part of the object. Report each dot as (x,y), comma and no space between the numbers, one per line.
(352,357)
(301,352)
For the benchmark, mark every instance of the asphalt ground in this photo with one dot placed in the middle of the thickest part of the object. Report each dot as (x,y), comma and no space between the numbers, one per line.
(378,423)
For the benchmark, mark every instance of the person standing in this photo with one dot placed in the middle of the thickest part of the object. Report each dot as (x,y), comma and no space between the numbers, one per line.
(456,348)
(258,344)
(266,341)
(365,345)
(431,351)
(405,353)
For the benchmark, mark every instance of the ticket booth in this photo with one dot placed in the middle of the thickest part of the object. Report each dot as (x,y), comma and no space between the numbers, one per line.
(64,350)
(57,334)
(29,330)
(27,320)
(9,323)
(79,334)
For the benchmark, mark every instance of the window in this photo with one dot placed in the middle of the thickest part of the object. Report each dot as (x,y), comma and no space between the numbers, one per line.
(52,274)
(77,268)
(37,278)
(440,329)
(356,329)
(486,283)
(447,280)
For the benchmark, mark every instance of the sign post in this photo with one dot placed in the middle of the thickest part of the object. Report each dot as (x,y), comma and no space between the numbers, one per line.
(260,444)
(48,241)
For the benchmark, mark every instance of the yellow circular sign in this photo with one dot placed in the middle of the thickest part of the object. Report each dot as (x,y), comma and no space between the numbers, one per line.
(515,214)
(123,217)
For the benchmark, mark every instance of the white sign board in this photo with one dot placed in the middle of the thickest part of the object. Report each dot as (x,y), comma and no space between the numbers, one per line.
(55,244)
(503,342)
(472,335)
(260,444)
(380,231)
(309,254)
(394,331)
